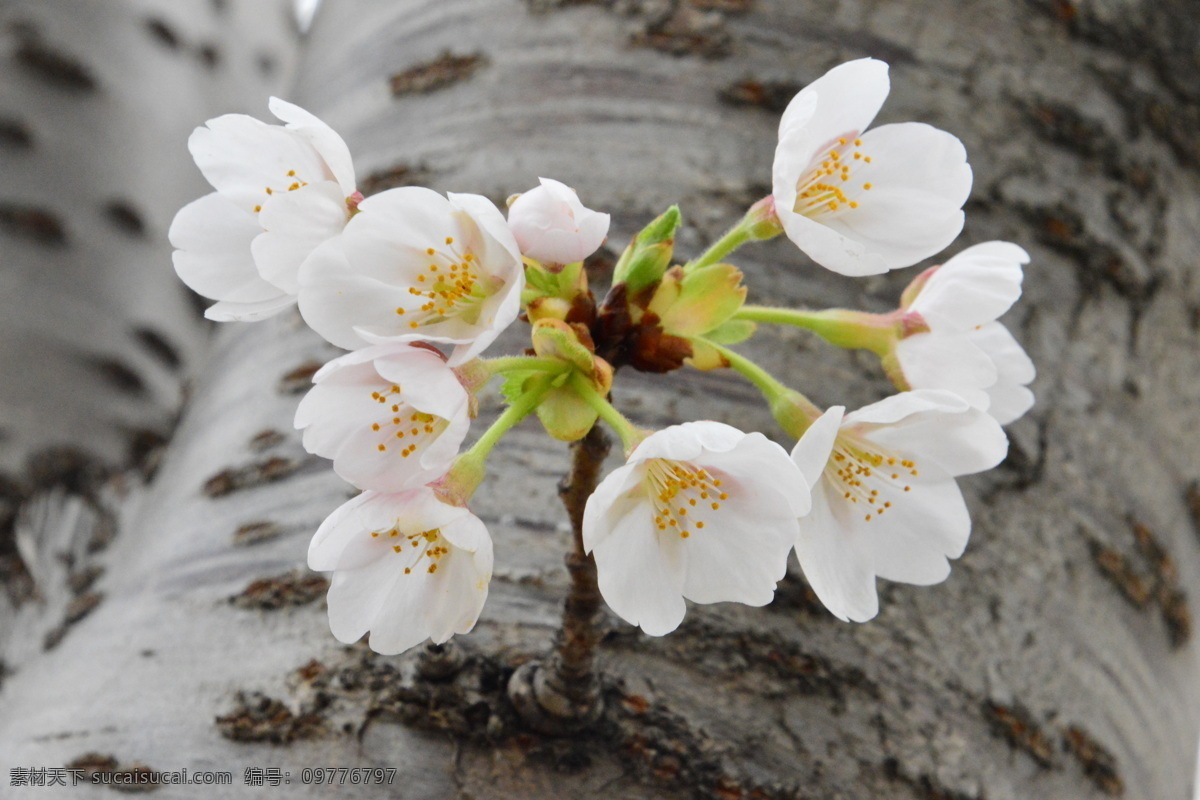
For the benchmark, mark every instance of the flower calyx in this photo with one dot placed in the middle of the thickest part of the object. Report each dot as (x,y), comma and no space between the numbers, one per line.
(564,414)
(561,293)
(693,304)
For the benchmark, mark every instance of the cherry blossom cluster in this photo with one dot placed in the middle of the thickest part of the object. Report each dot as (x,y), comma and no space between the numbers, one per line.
(417,285)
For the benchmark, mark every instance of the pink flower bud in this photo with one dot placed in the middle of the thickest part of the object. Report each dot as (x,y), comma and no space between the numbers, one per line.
(552,226)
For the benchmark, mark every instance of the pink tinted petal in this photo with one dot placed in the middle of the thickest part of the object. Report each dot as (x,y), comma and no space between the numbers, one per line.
(551,225)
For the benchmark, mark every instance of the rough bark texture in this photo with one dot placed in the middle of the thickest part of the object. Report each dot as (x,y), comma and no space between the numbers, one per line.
(1056,661)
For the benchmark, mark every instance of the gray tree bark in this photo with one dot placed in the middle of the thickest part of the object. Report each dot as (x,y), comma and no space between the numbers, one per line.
(172,622)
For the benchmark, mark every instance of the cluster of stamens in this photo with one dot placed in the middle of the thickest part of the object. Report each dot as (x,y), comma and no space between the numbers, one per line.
(443,286)
(822,190)
(681,494)
(857,469)
(400,426)
(426,544)
(291,173)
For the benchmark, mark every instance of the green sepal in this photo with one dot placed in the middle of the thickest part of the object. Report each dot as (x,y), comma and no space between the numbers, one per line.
(514,384)
(553,338)
(705,357)
(733,331)
(694,303)
(649,254)
(565,283)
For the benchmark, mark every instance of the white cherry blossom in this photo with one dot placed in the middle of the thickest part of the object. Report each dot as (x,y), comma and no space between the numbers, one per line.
(700,511)
(553,227)
(956,344)
(858,201)
(1009,397)
(391,416)
(415,266)
(281,190)
(406,567)
(885,500)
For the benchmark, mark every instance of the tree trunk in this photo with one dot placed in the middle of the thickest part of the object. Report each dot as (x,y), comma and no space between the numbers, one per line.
(1055,662)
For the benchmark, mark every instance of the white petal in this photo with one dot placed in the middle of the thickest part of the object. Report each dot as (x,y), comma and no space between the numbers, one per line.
(343,418)
(1009,401)
(460,593)
(323,138)
(972,288)
(741,553)
(343,540)
(334,298)
(294,224)
(242,157)
(919,180)
(812,452)
(836,563)
(687,441)
(831,248)
(924,527)
(500,246)
(893,409)
(955,442)
(356,598)
(404,619)
(847,99)
(228,311)
(1010,398)
(609,503)
(213,238)
(946,361)
(764,469)
(640,577)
